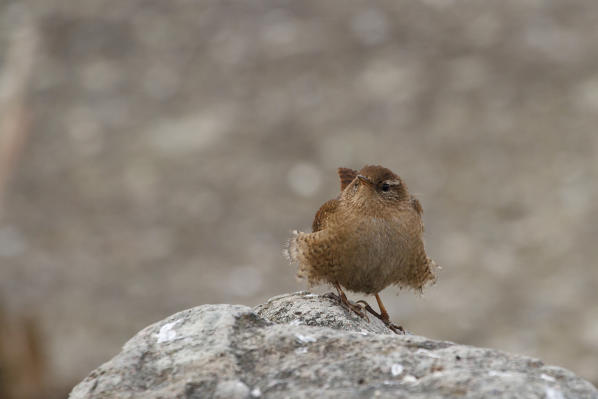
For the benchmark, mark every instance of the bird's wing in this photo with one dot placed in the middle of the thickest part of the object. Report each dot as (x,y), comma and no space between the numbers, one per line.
(416,205)
(323,214)
(347,176)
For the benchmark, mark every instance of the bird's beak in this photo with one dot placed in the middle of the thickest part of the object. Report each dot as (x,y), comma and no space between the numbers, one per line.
(364,179)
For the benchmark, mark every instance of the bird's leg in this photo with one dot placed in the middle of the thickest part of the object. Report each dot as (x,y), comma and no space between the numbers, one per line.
(342,298)
(386,319)
(383,315)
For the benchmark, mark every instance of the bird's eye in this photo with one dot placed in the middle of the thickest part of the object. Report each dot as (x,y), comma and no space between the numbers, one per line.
(385,187)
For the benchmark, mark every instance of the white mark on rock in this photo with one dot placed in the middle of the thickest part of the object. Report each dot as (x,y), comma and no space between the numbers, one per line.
(167,333)
(501,374)
(396,369)
(296,322)
(427,353)
(232,389)
(547,377)
(256,392)
(364,333)
(305,338)
(552,393)
(301,351)
(410,379)
(311,295)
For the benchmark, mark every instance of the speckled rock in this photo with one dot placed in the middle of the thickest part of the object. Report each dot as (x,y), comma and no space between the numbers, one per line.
(304,308)
(304,346)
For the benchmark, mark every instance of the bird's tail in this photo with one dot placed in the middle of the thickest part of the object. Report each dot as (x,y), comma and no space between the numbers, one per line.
(291,249)
(297,253)
(309,258)
(430,275)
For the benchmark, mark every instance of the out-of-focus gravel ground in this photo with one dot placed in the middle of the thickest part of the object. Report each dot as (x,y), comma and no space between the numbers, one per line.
(172,147)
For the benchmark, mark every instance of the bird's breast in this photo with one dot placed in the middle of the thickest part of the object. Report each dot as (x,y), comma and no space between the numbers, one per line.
(373,250)
(381,240)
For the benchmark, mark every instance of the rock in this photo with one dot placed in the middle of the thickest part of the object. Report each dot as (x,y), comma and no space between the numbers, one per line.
(304,308)
(305,346)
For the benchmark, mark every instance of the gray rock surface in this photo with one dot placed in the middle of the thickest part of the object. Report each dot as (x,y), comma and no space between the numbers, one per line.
(305,346)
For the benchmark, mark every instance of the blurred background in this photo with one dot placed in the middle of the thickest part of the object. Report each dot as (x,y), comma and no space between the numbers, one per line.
(155,156)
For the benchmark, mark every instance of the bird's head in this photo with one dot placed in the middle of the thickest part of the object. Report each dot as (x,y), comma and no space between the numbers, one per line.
(375,186)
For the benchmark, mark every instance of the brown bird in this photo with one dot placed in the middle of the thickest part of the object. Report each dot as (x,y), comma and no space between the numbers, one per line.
(366,239)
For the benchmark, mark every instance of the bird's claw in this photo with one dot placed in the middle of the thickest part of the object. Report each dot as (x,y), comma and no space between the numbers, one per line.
(358,310)
(393,327)
(351,306)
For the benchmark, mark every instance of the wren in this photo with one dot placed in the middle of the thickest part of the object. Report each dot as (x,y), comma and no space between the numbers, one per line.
(368,238)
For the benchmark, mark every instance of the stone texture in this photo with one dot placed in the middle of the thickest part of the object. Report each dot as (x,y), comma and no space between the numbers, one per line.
(304,346)
(285,309)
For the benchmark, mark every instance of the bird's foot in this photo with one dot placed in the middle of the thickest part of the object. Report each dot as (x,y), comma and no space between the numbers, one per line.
(386,320)
(351,306)
(356,308)
(394,328)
